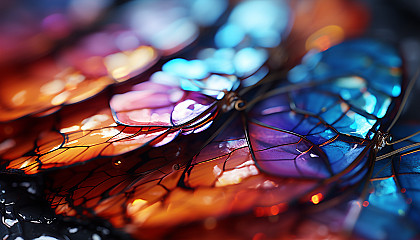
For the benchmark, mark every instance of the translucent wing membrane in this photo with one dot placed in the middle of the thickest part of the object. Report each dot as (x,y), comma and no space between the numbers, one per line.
(123,47)
(394,190)
(183,98)
(318,138)
(147,196)
(31,30)
(286,155)
(72,76)
(175,23)
(151,115)
(295,148)
(365,80)
(263,22)
(225,139)
(366,59)
(153,104)
(80,137)
(45,86)
(103,182)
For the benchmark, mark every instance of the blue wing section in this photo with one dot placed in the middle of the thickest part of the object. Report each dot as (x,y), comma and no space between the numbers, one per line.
(239,51)
(365,73)
(393,209)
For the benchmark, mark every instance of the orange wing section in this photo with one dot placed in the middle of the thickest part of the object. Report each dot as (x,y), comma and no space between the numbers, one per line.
(48,83)
(150,194)
(80,136)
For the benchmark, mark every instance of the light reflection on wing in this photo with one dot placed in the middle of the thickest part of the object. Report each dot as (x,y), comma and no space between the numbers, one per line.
(288,152)
(154,104)
(115,52)
(81,136)
(55,81)
(295,148)
(394,193)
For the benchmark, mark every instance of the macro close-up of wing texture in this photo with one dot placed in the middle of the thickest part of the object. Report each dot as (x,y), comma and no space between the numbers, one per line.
(224,119)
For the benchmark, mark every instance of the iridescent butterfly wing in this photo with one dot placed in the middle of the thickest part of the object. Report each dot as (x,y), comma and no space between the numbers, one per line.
(123,47)
(152,114)
(393,198)
(182,98)
(31,30)
(294,145)
(93,132)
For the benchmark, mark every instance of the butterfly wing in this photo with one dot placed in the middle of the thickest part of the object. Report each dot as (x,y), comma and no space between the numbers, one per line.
(154,104)
(122,48)
(290,148)
(151,115)
(154,112)
(79,137)
(49,83)
(394,190)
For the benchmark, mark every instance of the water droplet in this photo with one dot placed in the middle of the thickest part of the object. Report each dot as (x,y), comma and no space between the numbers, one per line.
(117,162)
(176,167)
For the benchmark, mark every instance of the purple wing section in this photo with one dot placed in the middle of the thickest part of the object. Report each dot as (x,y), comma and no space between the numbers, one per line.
(318,121)
(227,165)
(154,104)
(196,105)
(282,153)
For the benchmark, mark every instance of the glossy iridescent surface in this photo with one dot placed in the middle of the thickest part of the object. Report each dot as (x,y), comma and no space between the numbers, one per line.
(287,148)
(177,119)
(367,74)
(173,24)
(263,22)
(123,47)
(33,29)
(394,195)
